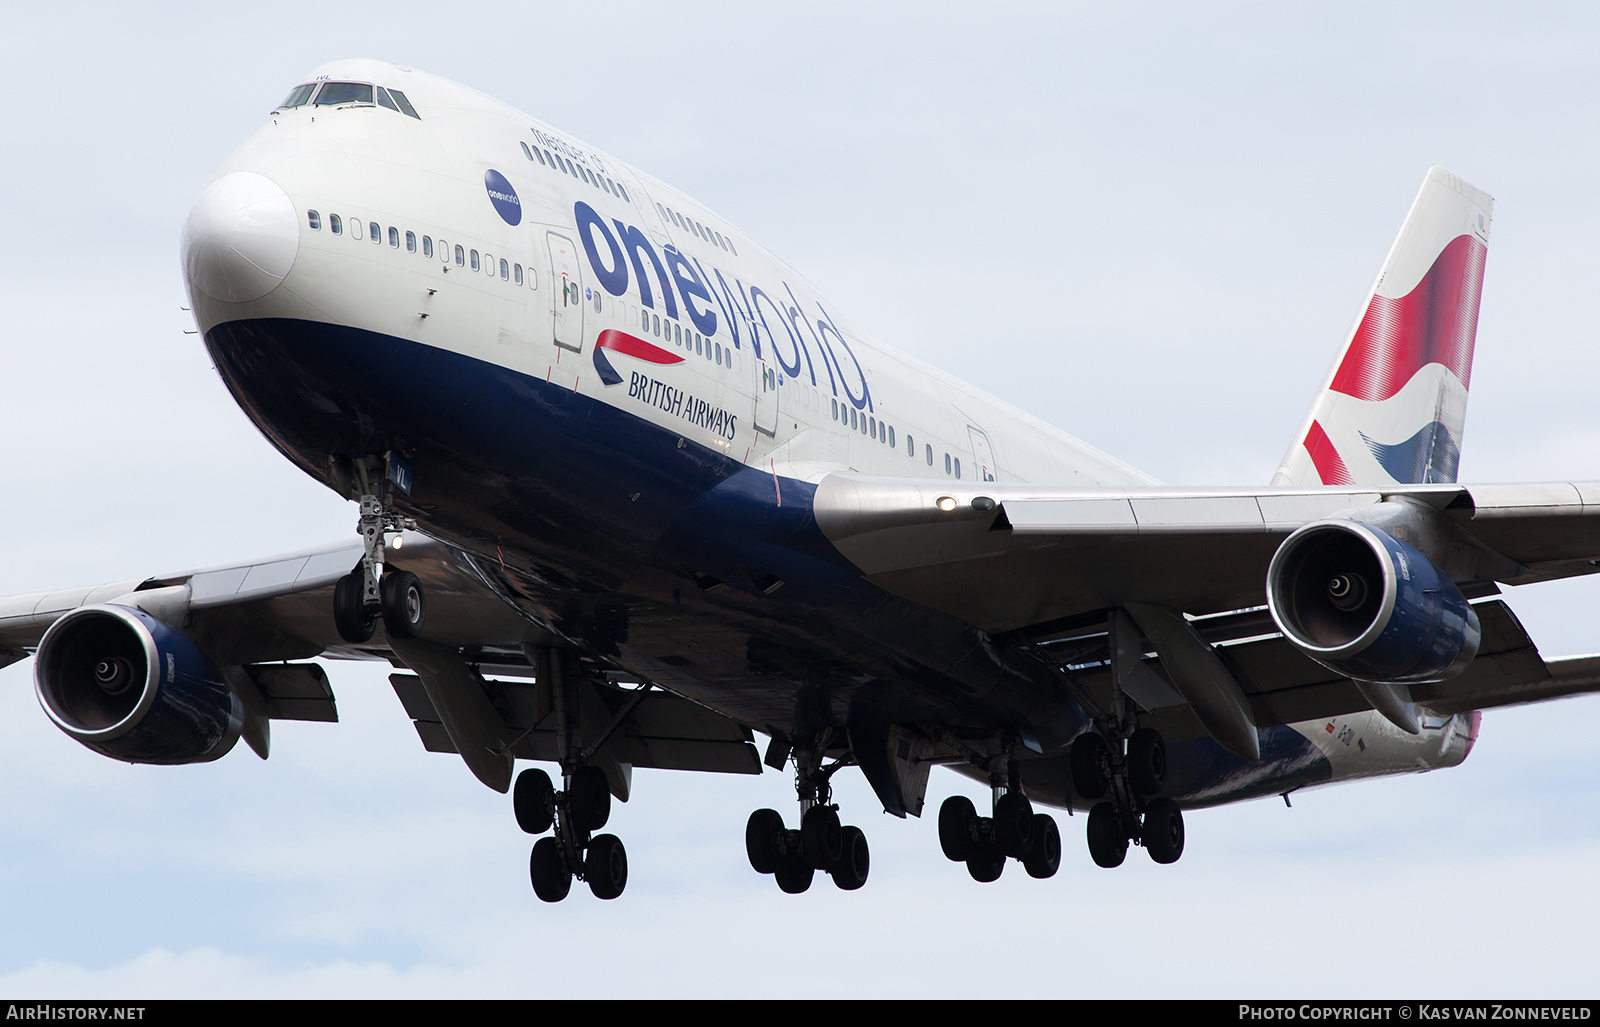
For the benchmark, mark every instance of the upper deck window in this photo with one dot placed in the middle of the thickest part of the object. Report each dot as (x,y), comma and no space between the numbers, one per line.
(299,95)
(333,93)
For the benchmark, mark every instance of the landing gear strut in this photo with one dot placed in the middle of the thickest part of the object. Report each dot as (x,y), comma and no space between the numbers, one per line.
(1133,812)
(822,843)
(367,593)
(582,807)
(1013,831)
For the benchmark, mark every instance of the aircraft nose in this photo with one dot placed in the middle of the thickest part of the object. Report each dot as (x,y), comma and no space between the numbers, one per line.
(241,238)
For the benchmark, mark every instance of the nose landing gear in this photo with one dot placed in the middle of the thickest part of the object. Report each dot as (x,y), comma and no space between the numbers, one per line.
(364,595)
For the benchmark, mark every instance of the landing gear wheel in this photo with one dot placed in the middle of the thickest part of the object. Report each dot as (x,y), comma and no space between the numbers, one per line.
(794,874)
(405,609)
(606,866)
(1013,824)
(958,828)
(551,880)
(764,840)
(1163,831)
(1147,761)
(534,800)
(1091,765)
(986,864)
(589,796)
(1045,857)
(850,872)
(350,614)
(1107,844)
(822,837)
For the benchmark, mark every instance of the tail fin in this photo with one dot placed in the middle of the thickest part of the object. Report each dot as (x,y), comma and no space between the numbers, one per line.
(1395,403)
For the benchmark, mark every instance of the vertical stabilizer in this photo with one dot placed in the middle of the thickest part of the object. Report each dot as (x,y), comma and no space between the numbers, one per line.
(1395,403)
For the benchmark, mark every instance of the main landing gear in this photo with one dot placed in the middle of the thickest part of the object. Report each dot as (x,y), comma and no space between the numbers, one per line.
(581,808)
(577,811)
(1013,830)
(793,857)
(367,593)
(1127,783)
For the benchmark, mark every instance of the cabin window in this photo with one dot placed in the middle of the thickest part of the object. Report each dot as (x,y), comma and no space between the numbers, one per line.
(655,320)
(911,446)
(394,238)
(488,265)
(835,409)
(852,417)
(335,225)
(314,220)
(427,246)
(474,255)
(411,242)
(947,463)
(872,427)
(376,232)
(891,435)
(536,154)
(624,193)
(607,183)
(404,104)
(662,212)
(299,95)
(516,273)
(334,93)
(958,467)
(719,353)
(505,271)
(355,228)
(644,320)
(596,294)
(525,151)
(929,449)
(548,156)
(461,257)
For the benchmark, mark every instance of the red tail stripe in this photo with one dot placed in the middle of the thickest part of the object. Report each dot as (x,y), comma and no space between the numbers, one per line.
(1434,323)
(1330,467)
(633,346)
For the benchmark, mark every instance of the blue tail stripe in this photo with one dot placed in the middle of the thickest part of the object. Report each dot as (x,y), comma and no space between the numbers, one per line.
(1429,456)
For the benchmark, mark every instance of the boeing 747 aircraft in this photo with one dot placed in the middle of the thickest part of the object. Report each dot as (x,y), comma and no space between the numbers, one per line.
(632,490)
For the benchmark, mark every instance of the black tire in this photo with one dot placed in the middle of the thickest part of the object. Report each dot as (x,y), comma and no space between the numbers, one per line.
(1013,824)
(1147,761)
(794,874)
(986,864)
(764,840)
(958,828)
(1044,859)
(1091,765)
(850,872)
(551,879)
(534,800)
(405,606)
(350,616)
(1108,845)
(589,798)
(605,866)
(822,837)
(1163,831)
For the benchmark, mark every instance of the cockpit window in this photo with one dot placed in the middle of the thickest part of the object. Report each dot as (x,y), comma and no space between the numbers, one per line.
(299,96)
(333,93)
(405,105)
(384,101)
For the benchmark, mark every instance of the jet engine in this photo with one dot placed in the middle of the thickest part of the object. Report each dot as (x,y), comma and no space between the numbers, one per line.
(1365,604)
(130,687)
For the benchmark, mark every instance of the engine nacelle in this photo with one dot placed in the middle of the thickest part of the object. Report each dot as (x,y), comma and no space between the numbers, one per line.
(130,687)
(1365,604)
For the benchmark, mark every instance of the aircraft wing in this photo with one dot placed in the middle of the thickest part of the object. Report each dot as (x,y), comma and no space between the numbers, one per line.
(471,693)
(1046,565)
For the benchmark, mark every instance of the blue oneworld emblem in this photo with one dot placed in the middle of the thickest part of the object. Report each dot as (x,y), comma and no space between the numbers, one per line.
(503,197)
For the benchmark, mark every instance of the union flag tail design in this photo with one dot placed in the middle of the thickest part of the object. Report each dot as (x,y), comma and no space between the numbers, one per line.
(1395,403)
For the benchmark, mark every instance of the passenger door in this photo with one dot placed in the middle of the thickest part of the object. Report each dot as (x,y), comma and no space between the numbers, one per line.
(566,292)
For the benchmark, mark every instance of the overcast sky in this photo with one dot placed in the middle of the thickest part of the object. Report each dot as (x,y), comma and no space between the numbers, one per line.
(1148,224)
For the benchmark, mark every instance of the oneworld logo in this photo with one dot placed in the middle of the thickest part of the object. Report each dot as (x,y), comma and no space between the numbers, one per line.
(503,197)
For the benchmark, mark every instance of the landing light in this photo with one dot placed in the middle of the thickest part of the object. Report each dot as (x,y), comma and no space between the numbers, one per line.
(946,503)
(397,542)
